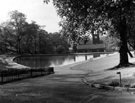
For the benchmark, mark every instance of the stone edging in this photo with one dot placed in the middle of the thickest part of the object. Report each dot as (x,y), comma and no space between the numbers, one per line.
(106,87)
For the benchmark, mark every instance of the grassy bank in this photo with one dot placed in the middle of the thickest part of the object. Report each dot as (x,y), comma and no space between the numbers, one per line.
(99,70)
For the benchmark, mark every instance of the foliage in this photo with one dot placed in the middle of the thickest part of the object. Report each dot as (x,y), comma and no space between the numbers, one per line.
(17,23)
(114,83)
(111,43)
(58,41)
(21,37)
(117,16)
(60,49)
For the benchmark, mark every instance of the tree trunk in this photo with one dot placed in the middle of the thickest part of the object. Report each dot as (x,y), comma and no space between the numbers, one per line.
(19,46)
(123,48)
(123,56)
(134,47)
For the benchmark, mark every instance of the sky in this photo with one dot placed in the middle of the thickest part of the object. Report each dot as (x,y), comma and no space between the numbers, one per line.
(35,10)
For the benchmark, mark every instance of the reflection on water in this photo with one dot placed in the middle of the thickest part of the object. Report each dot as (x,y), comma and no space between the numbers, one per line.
(50,61)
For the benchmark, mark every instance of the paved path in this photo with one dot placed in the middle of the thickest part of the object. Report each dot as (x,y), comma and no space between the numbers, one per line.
(59,89)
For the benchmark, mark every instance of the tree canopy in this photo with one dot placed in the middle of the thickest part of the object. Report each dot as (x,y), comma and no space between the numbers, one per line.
(79,16)
(21,37)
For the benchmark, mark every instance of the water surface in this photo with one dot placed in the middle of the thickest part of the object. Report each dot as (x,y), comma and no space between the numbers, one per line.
(50,60)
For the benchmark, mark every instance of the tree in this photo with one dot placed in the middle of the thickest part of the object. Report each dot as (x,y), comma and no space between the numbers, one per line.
(17,22)
(111,43)
(60,49)
(30,39)
(59,41)
(19,36)
(7,40)
(45,43)
(99,15)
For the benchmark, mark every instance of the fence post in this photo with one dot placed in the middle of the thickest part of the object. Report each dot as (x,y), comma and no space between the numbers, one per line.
(41,71)
(51,70)
(31,72)
(1,77)
(18,73)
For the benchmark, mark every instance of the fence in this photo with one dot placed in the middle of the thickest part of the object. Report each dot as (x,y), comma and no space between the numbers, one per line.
(9,75)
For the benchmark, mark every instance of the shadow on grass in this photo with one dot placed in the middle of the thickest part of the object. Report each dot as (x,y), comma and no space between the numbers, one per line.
(119,66)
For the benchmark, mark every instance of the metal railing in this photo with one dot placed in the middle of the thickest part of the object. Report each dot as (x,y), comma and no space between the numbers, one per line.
(14,74)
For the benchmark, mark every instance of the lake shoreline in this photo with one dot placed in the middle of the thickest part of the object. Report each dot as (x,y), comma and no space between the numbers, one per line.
(53,60)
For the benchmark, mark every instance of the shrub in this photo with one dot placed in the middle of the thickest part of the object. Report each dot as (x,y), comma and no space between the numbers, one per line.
(60,49)
(114,83)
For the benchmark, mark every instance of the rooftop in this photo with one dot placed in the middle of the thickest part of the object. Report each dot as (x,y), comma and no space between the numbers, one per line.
(91,46)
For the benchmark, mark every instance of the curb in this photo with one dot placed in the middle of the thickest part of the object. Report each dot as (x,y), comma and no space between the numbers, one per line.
(106,87)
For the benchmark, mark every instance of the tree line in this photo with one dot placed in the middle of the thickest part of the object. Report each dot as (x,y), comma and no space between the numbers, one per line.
(20,37)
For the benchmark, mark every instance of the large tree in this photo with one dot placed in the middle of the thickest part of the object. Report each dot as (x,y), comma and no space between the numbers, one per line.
(7,39)
(30,38)
(99,15)
(17,22)
(59,42)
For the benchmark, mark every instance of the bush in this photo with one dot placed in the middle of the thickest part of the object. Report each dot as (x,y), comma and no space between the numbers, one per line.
(132,85)
(60,49)
(114,83)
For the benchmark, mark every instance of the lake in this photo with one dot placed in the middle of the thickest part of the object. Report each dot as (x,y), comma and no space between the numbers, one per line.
(36,61)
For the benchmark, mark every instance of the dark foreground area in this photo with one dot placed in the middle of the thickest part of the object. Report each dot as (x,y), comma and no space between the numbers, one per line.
(59,89)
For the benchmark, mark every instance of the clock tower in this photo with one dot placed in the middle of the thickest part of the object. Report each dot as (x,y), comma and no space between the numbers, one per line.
(96,39)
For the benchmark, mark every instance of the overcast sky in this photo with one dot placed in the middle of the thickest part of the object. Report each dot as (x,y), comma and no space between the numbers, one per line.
(35,10)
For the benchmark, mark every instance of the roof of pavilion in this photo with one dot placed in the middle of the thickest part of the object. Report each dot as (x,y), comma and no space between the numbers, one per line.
(91,46)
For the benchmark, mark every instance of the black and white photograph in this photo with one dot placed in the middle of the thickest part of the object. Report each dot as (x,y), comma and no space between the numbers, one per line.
(67,51)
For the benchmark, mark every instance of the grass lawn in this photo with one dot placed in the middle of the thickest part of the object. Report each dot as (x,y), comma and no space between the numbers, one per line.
(99,73)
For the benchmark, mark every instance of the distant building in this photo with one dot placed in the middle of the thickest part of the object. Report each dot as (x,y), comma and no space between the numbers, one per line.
(96,39)
(91,48)
(96,45)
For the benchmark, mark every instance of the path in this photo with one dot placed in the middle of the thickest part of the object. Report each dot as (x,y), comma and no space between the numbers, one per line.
(58,89)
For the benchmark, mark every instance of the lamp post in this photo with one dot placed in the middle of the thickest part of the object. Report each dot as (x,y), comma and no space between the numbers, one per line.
(120,77)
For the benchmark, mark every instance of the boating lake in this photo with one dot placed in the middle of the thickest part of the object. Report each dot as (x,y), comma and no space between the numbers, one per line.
(36,61)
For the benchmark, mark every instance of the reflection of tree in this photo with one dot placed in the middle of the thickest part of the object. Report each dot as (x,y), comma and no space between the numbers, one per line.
(59,60)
